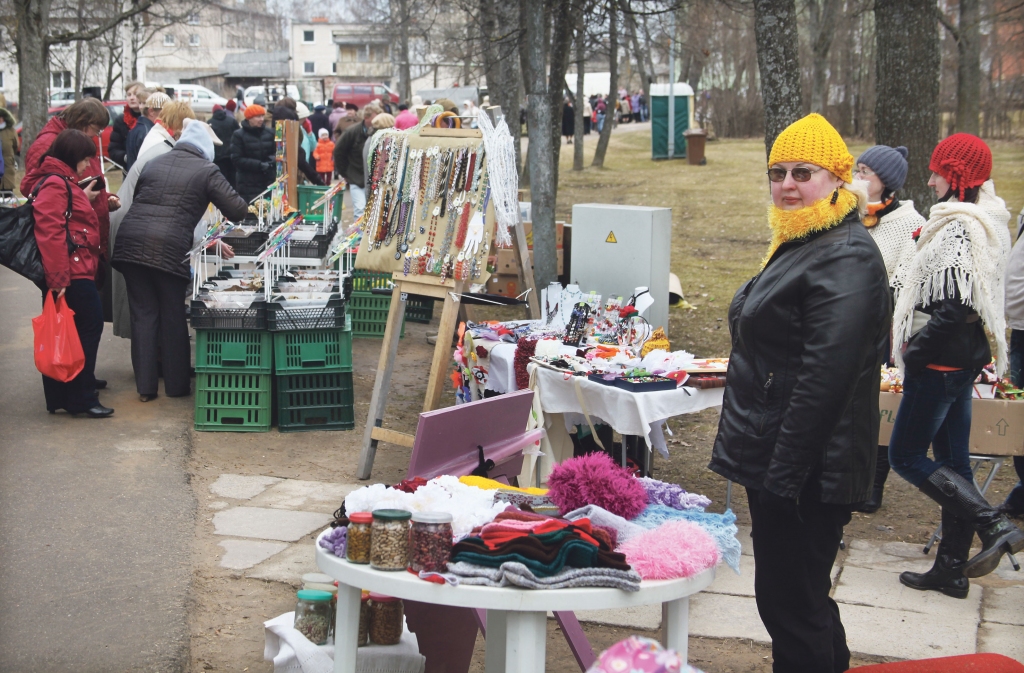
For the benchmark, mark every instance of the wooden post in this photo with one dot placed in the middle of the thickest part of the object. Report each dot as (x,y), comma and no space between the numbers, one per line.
(291,162)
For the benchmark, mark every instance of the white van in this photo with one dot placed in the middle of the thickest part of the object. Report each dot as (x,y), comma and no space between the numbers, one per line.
(201,98)
(273,96)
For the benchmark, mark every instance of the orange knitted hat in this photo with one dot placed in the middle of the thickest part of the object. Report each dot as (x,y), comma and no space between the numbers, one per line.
(255,111)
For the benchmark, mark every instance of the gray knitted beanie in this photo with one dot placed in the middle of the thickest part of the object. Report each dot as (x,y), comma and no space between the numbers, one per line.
(888,163)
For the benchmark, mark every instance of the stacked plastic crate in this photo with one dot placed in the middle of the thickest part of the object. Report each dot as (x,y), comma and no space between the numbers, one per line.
(234,366)
(313,367)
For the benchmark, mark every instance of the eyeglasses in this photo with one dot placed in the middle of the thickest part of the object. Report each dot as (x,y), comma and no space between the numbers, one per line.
(863,171)
(800,174)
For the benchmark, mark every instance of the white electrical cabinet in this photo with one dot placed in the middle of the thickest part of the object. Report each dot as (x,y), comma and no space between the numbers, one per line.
(616,249)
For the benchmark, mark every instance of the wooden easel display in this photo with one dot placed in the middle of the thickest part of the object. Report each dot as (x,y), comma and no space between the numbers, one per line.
(450,291)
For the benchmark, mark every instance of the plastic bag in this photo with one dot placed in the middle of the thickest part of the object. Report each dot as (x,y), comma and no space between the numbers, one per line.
(57,348)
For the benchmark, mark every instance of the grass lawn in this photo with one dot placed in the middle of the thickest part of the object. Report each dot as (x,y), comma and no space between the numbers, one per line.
(718,215)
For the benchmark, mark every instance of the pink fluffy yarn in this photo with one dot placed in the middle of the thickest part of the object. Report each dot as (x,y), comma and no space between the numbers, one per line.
(674,549)
(595,479)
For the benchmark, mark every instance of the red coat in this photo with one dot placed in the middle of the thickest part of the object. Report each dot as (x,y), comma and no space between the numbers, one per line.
(34,158)
(49,207)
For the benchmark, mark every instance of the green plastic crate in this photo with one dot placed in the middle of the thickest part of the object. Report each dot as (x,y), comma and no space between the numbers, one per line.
(419,310)
(364,281)
(234,350)
(321,401)
(237,401)
(308,194)
(314,350)
(369,314)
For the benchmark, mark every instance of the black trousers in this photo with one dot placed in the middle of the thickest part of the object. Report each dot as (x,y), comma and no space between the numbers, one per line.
(79,394)
(156,302)
(792,579)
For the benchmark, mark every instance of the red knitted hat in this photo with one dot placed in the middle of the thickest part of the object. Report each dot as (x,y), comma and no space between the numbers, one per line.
(963,160)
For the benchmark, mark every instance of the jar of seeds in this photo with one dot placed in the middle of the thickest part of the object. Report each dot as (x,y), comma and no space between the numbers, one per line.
(357,547)
(313,615)
(389,543)
(364,620)
(386,619)
(430,541)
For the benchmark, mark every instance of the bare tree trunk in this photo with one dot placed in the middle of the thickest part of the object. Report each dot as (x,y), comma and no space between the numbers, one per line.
(581,66)
(563,21)
(613,85)
(638,49)
(33,55)
(540,153)
(908,61)
(78,53)
(404,71)
(779,65)
(968,82)
(501,35)
(823,26)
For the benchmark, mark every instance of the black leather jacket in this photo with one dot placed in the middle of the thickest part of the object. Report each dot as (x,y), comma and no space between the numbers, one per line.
(953,337)
(800,414)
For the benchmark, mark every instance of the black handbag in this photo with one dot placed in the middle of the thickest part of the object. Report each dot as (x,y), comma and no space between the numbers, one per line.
(19,251)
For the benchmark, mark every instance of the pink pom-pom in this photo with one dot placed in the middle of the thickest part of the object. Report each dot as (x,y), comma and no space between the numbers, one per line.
(674,549)
(595,479)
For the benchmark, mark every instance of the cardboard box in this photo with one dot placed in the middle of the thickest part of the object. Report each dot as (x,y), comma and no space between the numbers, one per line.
(503,284)
(559,233)
(997,426)
(506,263)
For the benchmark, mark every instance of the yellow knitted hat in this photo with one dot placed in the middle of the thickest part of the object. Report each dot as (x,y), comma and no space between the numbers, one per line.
(814,141)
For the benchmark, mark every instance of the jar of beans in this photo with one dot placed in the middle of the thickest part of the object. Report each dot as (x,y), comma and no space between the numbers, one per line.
(313,615)
(357,548)
(386,619)
(430,541)
(364,620)
(389,544)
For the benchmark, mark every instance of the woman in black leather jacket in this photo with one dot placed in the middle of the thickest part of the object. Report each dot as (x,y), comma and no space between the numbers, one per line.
(799,424)
(946,294)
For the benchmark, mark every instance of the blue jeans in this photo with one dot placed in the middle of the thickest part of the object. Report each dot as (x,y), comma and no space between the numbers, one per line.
(936,410)
(1015,500)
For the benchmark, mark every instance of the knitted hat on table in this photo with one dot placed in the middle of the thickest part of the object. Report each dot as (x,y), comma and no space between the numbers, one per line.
(888,163)
(813,140)
(255,111)
(963,160)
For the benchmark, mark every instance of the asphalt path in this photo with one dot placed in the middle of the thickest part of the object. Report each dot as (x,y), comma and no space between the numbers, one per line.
(96,516)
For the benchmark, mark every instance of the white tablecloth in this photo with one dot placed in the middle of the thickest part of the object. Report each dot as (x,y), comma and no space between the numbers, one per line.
(292,652)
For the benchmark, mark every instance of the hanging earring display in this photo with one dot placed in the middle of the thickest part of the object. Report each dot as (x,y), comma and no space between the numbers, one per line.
(429,207)
(576,330)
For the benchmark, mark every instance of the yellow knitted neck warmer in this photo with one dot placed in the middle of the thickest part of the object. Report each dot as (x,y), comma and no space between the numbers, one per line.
(789,225)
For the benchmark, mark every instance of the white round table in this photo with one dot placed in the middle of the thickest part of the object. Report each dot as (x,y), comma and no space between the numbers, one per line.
(516,618)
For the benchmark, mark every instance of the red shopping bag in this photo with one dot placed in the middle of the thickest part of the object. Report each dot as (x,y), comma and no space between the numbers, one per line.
(58,350)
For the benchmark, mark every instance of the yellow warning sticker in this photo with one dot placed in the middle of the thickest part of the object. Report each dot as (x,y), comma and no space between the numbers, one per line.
(611,238)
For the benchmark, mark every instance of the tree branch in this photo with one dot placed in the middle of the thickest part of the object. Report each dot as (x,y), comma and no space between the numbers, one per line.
(101,28)
(947,24)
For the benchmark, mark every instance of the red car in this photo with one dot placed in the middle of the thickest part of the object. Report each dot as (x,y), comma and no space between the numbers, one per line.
(362,94)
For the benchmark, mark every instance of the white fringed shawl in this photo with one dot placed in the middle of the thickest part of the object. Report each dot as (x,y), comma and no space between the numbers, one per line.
(963,250)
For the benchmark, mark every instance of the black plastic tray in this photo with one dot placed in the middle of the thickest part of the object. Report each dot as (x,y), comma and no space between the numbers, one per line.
(599,378)
(281,319)
(247,246)
(254,317)
(660,383)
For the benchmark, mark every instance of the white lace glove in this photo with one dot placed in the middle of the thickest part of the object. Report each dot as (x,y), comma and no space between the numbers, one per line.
(474,235)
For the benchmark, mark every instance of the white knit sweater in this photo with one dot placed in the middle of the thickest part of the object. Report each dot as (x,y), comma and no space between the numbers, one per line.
(963,250)
(893,236)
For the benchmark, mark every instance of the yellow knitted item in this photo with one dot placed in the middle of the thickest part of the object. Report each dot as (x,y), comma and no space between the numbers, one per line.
(814,141)
(492,485)
(789,225)
(658,340)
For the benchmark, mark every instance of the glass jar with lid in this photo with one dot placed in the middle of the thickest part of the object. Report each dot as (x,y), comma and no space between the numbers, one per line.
(386,619)
(313,615)
(430,541)
(357,545)
(364,620)
(389,541)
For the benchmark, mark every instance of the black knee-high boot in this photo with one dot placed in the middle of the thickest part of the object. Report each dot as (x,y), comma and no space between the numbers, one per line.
(961,497)
(874,501)
(947,574)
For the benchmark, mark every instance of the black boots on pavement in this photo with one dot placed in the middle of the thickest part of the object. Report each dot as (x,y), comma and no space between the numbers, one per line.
(947,575)
(963,501)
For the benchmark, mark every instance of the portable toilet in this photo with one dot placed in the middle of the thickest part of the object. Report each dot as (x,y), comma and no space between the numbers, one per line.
(683,94)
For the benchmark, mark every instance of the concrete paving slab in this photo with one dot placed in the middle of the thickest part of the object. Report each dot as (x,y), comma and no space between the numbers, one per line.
(244,554)
(240,486)
(882,589)
(721,616)
(1004,605)
(289,566)
(904,634)
(636,617)
(1006,572)
(316,496)
(891,556)
(728,582)
(268,524)
(747,544)
(1002,639)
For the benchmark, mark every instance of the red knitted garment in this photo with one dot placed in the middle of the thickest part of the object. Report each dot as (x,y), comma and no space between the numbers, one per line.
(963,160)
(130,117)
(524,351)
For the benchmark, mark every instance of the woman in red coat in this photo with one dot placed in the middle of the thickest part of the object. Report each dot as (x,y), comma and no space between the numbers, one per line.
(70,248)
